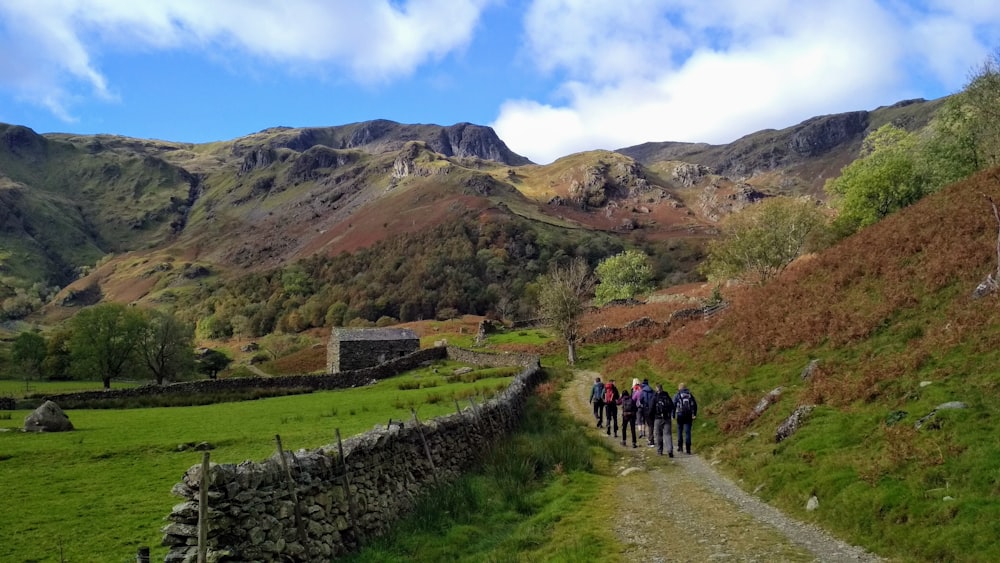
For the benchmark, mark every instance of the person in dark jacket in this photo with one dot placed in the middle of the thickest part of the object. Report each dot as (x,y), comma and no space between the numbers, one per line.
(686,410)
(662,412)
(597,398)
(646,401)
(629,409)
(611,398)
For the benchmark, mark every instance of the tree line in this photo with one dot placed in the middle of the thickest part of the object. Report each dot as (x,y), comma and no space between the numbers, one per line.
(114,341)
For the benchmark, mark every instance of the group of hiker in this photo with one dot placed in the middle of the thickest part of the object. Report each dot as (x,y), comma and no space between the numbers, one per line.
(652,409)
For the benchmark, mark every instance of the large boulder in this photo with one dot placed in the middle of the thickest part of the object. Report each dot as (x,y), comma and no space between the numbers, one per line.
(47,418)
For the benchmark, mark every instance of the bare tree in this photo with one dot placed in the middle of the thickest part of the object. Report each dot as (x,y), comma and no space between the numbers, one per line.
(564,291)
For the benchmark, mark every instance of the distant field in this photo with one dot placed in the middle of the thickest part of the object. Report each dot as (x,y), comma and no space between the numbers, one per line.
(97,493)
(18,389)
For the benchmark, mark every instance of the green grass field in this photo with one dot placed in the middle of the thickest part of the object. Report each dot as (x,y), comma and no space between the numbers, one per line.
(97,493)
(19,389)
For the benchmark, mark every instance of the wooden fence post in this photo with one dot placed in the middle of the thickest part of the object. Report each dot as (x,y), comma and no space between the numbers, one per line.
(203,510)
(299,525)
(427,449)
(346,482)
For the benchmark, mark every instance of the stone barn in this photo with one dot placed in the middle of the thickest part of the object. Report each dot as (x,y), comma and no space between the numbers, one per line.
(357,348)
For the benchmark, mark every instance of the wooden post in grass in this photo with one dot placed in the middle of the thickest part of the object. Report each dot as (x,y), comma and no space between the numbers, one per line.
(427,449)
(346,482)
(203,510)
(465,431)
(299,525)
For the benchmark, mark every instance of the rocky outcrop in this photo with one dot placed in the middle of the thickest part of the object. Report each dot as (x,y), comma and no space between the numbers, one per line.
(256,159)
(820,134)
(466,140)
(604,182)
(688,175)
(308,164)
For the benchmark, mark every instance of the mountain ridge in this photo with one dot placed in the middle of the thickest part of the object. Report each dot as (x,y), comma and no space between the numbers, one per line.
(282,194)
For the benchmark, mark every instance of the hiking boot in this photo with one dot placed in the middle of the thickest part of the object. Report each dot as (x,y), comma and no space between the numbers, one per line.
(671,454)
(633,445)
(623,443)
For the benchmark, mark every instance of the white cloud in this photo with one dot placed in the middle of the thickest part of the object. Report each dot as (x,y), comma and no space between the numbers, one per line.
(59,41)
(712,71)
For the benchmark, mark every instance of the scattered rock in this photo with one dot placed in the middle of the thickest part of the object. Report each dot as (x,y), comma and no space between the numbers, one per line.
(951,405)
(925,383)
(928,419)
(812,504)
(47,418)
(462,371)
(895,417)
(766,401)
(629,471)
(948,498)
(792,424)
(809,370)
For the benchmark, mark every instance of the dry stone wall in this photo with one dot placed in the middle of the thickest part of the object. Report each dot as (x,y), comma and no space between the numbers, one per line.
(342,380)
(327,504)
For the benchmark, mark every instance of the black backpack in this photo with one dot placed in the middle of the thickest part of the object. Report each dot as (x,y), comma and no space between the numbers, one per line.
(662,406)
(685,406)
(628,405)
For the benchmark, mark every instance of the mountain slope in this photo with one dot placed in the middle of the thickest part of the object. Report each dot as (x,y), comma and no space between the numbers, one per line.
(888,324)
(798,158)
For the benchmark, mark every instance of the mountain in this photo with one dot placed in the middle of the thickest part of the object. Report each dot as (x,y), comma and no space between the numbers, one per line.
(797,159)
(110,217)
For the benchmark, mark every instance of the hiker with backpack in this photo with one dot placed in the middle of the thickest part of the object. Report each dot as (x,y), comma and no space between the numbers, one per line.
(628,417)
(662,412)
(611,398)
(597,398)
(640,411)
(686,410)
(646,401)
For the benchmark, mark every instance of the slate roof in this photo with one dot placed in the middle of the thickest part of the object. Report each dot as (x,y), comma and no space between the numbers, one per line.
(356,334)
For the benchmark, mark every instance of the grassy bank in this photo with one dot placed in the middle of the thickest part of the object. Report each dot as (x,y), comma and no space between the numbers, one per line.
(536,497)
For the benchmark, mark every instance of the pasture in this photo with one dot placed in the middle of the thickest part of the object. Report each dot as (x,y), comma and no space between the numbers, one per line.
(99,492)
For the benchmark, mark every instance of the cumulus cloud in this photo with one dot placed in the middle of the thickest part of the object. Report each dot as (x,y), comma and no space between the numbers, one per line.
(712,71)
(52,48)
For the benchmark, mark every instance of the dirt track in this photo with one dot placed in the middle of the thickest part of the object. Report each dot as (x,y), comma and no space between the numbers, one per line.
(680,509)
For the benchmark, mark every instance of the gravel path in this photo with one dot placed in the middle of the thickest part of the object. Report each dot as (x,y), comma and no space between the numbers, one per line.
(681,509)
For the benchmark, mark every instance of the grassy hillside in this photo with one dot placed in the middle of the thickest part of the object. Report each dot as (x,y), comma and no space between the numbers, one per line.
(888,316)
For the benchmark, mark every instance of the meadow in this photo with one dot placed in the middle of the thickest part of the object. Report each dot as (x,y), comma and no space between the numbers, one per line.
(99,492)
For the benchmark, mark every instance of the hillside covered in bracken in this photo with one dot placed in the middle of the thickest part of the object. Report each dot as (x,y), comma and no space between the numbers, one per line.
(880,341)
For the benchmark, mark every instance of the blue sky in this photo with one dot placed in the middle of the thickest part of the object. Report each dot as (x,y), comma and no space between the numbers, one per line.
(553,77)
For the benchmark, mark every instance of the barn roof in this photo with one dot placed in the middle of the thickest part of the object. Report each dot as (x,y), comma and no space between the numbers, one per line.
(355,334)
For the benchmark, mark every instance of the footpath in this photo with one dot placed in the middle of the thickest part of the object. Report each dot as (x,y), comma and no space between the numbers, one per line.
(681,509)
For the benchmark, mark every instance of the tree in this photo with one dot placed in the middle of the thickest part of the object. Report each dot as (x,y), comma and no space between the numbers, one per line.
(104,340)
(211,362)
(762,240)
(166,346)
(561,300)
(623,276)
(980,101)
(884,179)
(29,351)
